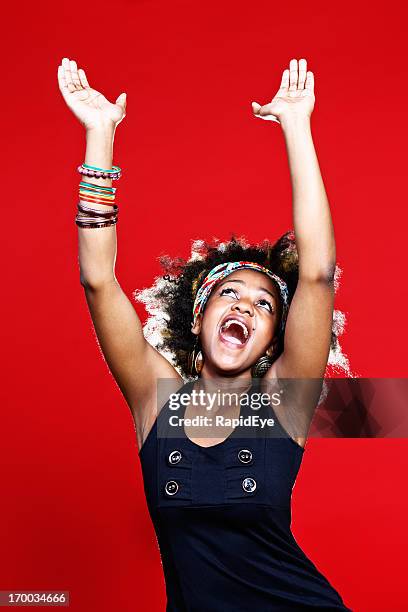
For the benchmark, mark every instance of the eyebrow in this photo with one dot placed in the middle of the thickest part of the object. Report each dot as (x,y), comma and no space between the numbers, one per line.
(236,280)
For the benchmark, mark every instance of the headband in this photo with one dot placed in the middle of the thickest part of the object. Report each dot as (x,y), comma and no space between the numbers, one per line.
(222,270)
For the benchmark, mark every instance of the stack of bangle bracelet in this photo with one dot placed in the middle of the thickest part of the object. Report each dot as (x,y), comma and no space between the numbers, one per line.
(89,217)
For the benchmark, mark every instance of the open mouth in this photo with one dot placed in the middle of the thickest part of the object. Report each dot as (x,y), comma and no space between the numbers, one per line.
(234,332)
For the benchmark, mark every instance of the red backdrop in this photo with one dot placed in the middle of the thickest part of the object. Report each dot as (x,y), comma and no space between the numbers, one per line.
(196,165)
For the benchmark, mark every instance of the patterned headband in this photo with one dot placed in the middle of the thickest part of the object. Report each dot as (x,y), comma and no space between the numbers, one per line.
(222,270)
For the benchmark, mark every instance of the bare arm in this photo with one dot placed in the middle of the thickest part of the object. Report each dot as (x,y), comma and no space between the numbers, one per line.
(309,323)
(134,363)
(310,317)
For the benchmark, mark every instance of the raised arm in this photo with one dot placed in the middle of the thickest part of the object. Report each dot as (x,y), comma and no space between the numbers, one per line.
(134,363)
(309,322)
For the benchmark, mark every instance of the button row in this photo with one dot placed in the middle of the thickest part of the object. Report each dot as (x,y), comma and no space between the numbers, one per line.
(172,486)
(244,456)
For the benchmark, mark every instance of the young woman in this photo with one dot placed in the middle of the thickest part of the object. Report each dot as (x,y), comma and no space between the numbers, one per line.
(232,314)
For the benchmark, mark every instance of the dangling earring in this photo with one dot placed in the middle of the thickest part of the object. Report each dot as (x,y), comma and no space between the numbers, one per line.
(195,360)
(262,365)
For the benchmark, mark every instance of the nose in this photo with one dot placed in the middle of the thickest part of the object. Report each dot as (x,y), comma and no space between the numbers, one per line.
(244,306)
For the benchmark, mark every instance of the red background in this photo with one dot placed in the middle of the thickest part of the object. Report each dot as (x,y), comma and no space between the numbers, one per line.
(196,165)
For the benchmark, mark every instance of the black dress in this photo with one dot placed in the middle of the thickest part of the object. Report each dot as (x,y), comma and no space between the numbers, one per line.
(222,517)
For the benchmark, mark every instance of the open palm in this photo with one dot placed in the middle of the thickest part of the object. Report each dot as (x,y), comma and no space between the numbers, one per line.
(90,107)
(295,94)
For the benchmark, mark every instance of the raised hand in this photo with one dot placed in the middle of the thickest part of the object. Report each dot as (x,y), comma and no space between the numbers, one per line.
(89,106)
(295,95)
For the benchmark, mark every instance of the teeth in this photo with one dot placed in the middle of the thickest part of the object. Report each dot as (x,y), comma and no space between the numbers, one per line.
(230,321)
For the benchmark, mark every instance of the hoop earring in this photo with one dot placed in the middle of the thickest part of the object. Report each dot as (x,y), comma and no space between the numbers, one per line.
(261,366)
(195,360)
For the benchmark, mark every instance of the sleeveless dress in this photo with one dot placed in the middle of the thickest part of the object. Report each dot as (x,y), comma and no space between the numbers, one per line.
(222,517)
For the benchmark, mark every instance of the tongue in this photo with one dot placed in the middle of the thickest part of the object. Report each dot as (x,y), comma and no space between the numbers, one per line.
(234,334)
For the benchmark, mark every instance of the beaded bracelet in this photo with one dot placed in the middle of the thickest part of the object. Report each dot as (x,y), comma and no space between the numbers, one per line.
(114,174)
(97,174)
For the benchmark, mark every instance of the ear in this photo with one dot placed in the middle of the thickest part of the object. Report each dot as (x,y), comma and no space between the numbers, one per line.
(196,328)
(272,348)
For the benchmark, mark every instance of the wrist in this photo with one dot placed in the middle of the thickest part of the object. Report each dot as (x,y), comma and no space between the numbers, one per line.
(103,131)
(99,148)
(295,122)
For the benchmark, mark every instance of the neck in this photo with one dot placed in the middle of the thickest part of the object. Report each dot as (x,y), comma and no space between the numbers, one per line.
(211,379)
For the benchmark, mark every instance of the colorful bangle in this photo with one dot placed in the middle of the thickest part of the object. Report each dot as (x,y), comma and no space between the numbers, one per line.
(83,195)
(96,225)
(114,169)
(106,194)
(93,211)
(97,194)
(93,221)
(94,201)
(87,218)
(94,218)
(94,187)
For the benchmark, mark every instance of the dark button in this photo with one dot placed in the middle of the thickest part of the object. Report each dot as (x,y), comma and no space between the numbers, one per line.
(171,487)
(174,457)
(245,455)
(249,485)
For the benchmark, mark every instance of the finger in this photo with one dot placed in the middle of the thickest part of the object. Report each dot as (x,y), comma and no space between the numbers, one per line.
(293,75)
(302,73)
(310,81)
(83,79)
(121,101)
(263,114)
(61,81)
(74,74)
(285,80)
(67,74)
(256,107)
(268,118)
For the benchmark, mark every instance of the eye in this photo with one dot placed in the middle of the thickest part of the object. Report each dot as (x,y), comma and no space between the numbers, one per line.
(269,304)
(223,291)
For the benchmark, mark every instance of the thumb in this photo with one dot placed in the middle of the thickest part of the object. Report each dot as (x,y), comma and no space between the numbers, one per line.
(121,101)
(256,107)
